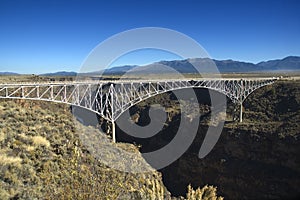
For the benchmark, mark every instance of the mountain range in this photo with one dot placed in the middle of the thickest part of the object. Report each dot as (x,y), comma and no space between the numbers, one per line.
(60,73)
(290,63)
(8,73)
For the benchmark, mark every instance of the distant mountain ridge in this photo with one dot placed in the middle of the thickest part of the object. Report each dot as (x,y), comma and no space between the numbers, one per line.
(8,73)
(290,63)
(60,73)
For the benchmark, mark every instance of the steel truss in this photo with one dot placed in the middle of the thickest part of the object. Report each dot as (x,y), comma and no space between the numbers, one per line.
(111,99)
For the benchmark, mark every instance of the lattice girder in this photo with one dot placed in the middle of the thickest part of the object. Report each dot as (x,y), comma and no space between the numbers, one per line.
(111,99)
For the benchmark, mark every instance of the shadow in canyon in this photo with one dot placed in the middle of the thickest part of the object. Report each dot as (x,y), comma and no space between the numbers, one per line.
(246,163)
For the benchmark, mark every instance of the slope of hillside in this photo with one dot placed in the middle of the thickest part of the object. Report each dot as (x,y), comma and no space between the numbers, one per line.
(42,156)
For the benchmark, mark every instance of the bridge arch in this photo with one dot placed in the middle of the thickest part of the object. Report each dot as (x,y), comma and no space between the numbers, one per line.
(111,99)
(139,100)
(236,90)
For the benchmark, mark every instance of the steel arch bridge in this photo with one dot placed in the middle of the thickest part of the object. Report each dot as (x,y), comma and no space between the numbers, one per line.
(110,99)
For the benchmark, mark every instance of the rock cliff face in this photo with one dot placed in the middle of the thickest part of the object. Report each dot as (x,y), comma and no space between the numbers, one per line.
(241,165)
(257,159)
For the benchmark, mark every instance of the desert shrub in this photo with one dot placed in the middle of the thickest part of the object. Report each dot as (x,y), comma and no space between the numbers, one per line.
(2,136)
(4,195)
(205,193)
(9,160)
(40,141)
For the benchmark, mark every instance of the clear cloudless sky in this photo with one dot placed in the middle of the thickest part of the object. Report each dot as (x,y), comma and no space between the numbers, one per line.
(54,35)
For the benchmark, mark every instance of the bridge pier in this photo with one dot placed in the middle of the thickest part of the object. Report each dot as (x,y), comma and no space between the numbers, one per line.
(113,127)
(241,112)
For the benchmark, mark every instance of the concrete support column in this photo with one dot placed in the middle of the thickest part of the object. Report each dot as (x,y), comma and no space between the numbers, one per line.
(113,126)
(241,112)
(113,129)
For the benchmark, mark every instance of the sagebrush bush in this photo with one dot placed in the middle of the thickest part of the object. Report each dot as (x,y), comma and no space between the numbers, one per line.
(9,160)
(40,141)
(205,193)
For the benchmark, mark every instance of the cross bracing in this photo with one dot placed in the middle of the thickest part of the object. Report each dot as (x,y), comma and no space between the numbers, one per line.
(110,99)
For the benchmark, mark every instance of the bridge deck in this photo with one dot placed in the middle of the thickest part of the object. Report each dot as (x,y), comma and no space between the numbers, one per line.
(120,81)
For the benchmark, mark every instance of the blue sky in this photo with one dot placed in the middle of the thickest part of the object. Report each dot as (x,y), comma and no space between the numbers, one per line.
(55,35)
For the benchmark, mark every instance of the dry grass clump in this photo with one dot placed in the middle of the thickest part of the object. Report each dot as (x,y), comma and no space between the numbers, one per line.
(9,160)
(40,141)
(2,136)
(30,148)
